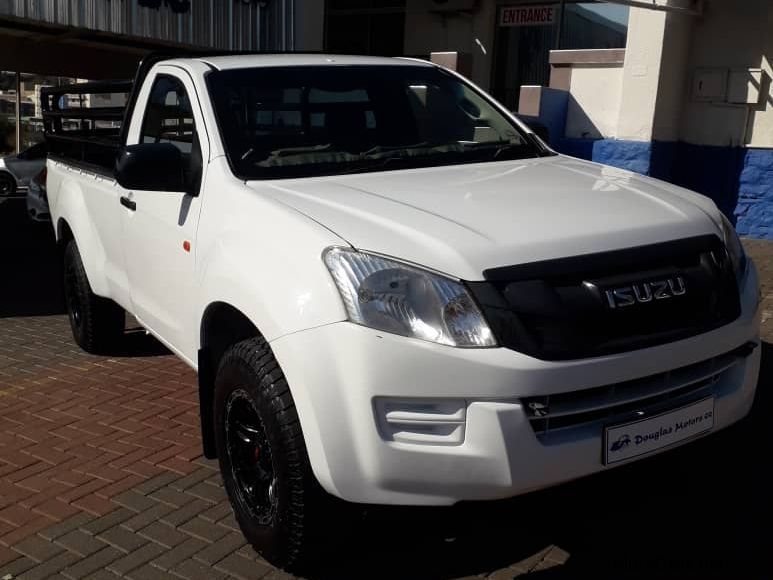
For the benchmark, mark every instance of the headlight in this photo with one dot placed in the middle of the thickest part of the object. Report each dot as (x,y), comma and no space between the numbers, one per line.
(407,300)
(734,248)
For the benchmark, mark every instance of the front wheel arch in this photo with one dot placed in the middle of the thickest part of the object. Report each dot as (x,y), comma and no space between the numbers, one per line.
(285,526)
(222,326)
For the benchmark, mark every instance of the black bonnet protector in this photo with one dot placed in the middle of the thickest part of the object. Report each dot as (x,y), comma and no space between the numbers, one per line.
(610,302)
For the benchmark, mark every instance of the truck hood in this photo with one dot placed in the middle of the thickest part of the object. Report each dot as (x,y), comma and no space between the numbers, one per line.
(464,219)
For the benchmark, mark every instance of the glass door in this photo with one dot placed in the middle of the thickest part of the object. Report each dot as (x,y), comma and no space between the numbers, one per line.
(525,36)
(526,33)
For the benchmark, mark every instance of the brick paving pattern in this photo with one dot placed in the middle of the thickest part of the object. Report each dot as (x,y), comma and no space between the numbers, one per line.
(100,469)
(101,474)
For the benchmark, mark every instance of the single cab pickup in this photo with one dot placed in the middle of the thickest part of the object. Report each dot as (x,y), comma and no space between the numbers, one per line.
(392,291)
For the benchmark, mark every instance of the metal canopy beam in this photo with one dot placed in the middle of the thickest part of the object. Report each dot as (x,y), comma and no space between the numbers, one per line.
(52,49)
(49,57)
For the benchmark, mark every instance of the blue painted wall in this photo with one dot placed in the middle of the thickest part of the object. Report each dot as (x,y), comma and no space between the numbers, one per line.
(712,171)
(552,113)
(739,180)
(632,155)
(754,209)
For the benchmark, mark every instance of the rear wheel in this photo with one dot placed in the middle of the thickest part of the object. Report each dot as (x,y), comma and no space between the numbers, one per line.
(7,185)
(263,458)
(97,323)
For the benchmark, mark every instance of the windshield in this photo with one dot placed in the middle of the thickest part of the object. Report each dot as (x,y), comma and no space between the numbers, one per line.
(323,120)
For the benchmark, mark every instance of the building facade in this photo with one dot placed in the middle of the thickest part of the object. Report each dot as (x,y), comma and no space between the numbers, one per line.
(45,42)
(688,101)
(503,44)
(676,89)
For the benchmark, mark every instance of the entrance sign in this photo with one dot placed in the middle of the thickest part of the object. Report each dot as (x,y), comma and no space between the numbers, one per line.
(542,15)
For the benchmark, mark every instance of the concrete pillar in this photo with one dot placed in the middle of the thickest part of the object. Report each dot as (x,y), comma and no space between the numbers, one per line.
(674,78)
(18,111)
(654,75)
(309,25)
(460,62)
(646,29)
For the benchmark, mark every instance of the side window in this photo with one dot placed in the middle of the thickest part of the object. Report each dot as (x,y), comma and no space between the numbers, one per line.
(169,119)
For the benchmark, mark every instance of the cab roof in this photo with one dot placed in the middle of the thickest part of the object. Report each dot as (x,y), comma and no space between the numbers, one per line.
(299,59)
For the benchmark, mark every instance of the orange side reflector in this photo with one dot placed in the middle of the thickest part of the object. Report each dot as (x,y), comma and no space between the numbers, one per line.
(187,246)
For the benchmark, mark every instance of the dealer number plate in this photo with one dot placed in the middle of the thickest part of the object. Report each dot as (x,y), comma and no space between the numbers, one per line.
(644,436)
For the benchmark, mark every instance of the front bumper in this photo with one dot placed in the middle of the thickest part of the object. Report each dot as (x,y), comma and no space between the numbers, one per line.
(477,442)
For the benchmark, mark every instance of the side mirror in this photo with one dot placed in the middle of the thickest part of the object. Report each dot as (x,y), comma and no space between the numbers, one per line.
(151,167)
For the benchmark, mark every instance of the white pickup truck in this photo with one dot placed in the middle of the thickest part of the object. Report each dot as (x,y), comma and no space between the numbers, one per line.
(393,291)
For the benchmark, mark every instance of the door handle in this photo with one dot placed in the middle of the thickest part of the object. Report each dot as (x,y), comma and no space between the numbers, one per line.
(128,203)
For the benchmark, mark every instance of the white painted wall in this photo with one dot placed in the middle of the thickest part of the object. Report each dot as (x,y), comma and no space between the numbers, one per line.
(663,52)
(641,72)
(732,34)
(594,105)
(673,82)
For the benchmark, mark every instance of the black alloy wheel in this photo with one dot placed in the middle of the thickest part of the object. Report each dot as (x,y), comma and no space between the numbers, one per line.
(72,297)
(249,455)
(97,323)
(279,505)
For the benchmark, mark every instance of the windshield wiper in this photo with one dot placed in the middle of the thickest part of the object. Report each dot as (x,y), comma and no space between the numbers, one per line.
(379,149)
(426,154)
(420,149)
(379,157)
(501,148)
(324,148)
(287,151)
(454,149)
(374,163)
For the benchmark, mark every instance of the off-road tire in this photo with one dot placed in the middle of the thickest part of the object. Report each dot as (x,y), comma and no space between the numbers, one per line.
(249,373)
(97,323)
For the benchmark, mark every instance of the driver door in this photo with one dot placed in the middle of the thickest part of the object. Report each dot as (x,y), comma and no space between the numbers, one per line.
(159,227)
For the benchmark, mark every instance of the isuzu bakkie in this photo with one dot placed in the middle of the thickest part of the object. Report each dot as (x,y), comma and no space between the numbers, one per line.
(392,291)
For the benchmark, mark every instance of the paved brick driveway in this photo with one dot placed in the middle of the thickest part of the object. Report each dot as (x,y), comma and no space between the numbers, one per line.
(101,476)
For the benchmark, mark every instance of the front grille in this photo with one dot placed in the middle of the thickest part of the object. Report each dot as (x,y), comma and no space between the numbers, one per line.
(551,413)
(561,309)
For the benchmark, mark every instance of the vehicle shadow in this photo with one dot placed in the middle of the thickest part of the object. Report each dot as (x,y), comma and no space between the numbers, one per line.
(31,280)
(703,510)
(136,342)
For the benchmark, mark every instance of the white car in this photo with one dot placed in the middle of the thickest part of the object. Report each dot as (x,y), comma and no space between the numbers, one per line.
(17,170)
(393,292)
(37,200)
